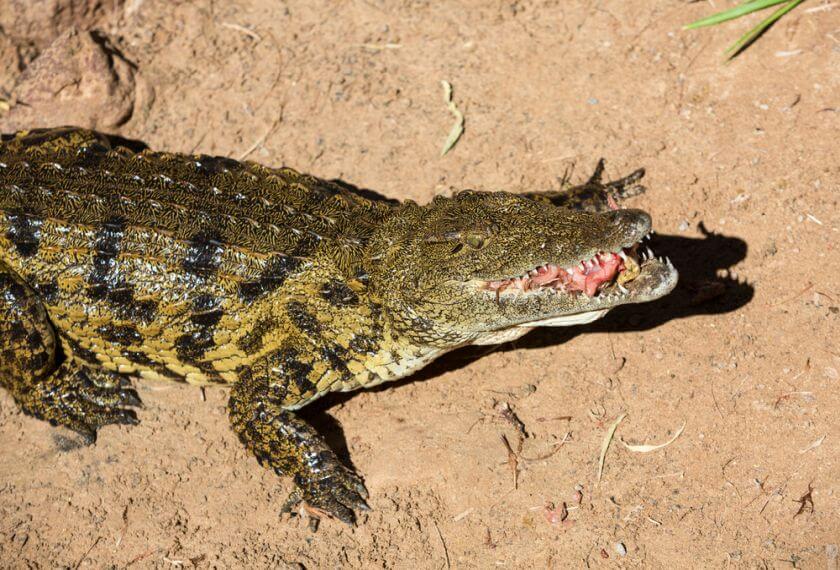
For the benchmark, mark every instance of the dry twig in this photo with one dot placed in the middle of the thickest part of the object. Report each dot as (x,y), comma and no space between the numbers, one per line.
(443,542)
(805,501)
(510,416)
(513,460)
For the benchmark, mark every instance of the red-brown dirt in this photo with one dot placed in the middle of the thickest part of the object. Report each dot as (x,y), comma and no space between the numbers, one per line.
(743,174)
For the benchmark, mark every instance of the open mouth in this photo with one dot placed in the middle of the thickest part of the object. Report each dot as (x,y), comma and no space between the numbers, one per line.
(606,272)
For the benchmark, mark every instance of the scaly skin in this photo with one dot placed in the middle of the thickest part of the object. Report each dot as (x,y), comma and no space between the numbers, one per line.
(118,264)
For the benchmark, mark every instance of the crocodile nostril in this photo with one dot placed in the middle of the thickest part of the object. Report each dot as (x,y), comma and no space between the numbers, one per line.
(632,223)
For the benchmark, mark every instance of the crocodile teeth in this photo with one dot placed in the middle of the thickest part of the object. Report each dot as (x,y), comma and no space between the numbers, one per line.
(588,276)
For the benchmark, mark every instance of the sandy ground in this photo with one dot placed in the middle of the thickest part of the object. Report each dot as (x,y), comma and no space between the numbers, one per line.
(743,169)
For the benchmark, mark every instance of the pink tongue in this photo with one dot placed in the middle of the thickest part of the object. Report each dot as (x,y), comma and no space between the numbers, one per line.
(601,270)
(588,281)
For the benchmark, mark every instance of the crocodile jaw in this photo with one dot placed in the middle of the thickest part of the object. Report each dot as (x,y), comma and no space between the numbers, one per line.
(513,333)
(585,293)
(568,320)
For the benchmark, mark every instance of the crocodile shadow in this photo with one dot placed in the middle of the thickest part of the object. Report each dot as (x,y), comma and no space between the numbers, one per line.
(705,287)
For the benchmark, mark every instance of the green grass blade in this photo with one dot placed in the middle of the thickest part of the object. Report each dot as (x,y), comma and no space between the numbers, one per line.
(732,13)
(748,38)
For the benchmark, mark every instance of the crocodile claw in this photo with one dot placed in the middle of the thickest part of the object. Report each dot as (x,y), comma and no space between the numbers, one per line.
(337,493)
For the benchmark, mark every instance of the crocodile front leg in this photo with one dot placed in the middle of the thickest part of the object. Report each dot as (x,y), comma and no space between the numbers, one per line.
(63,391)
(286,443)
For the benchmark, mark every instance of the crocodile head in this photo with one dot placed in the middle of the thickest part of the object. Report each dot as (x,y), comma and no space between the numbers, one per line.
(482,265)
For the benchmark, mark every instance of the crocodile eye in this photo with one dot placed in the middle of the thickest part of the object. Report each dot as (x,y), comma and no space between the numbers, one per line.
(475,241)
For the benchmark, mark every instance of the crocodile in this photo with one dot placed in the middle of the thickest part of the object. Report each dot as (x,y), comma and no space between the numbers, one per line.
(119,263)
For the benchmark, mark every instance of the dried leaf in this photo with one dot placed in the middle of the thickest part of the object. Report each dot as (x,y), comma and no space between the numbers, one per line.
(649,448)
(814,445)
(457,128)
(606,445)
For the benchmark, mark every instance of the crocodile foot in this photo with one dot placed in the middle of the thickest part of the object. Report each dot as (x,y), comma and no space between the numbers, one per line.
(623,188)
(81,399)
(594,195)
(335,491)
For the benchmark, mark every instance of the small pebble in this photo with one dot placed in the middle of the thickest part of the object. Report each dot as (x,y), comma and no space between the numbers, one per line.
(620,548)
(528,389)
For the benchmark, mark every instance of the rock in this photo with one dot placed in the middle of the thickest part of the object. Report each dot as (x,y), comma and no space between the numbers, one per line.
(39,22)
(80,79)
(28,26)
(10,66)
